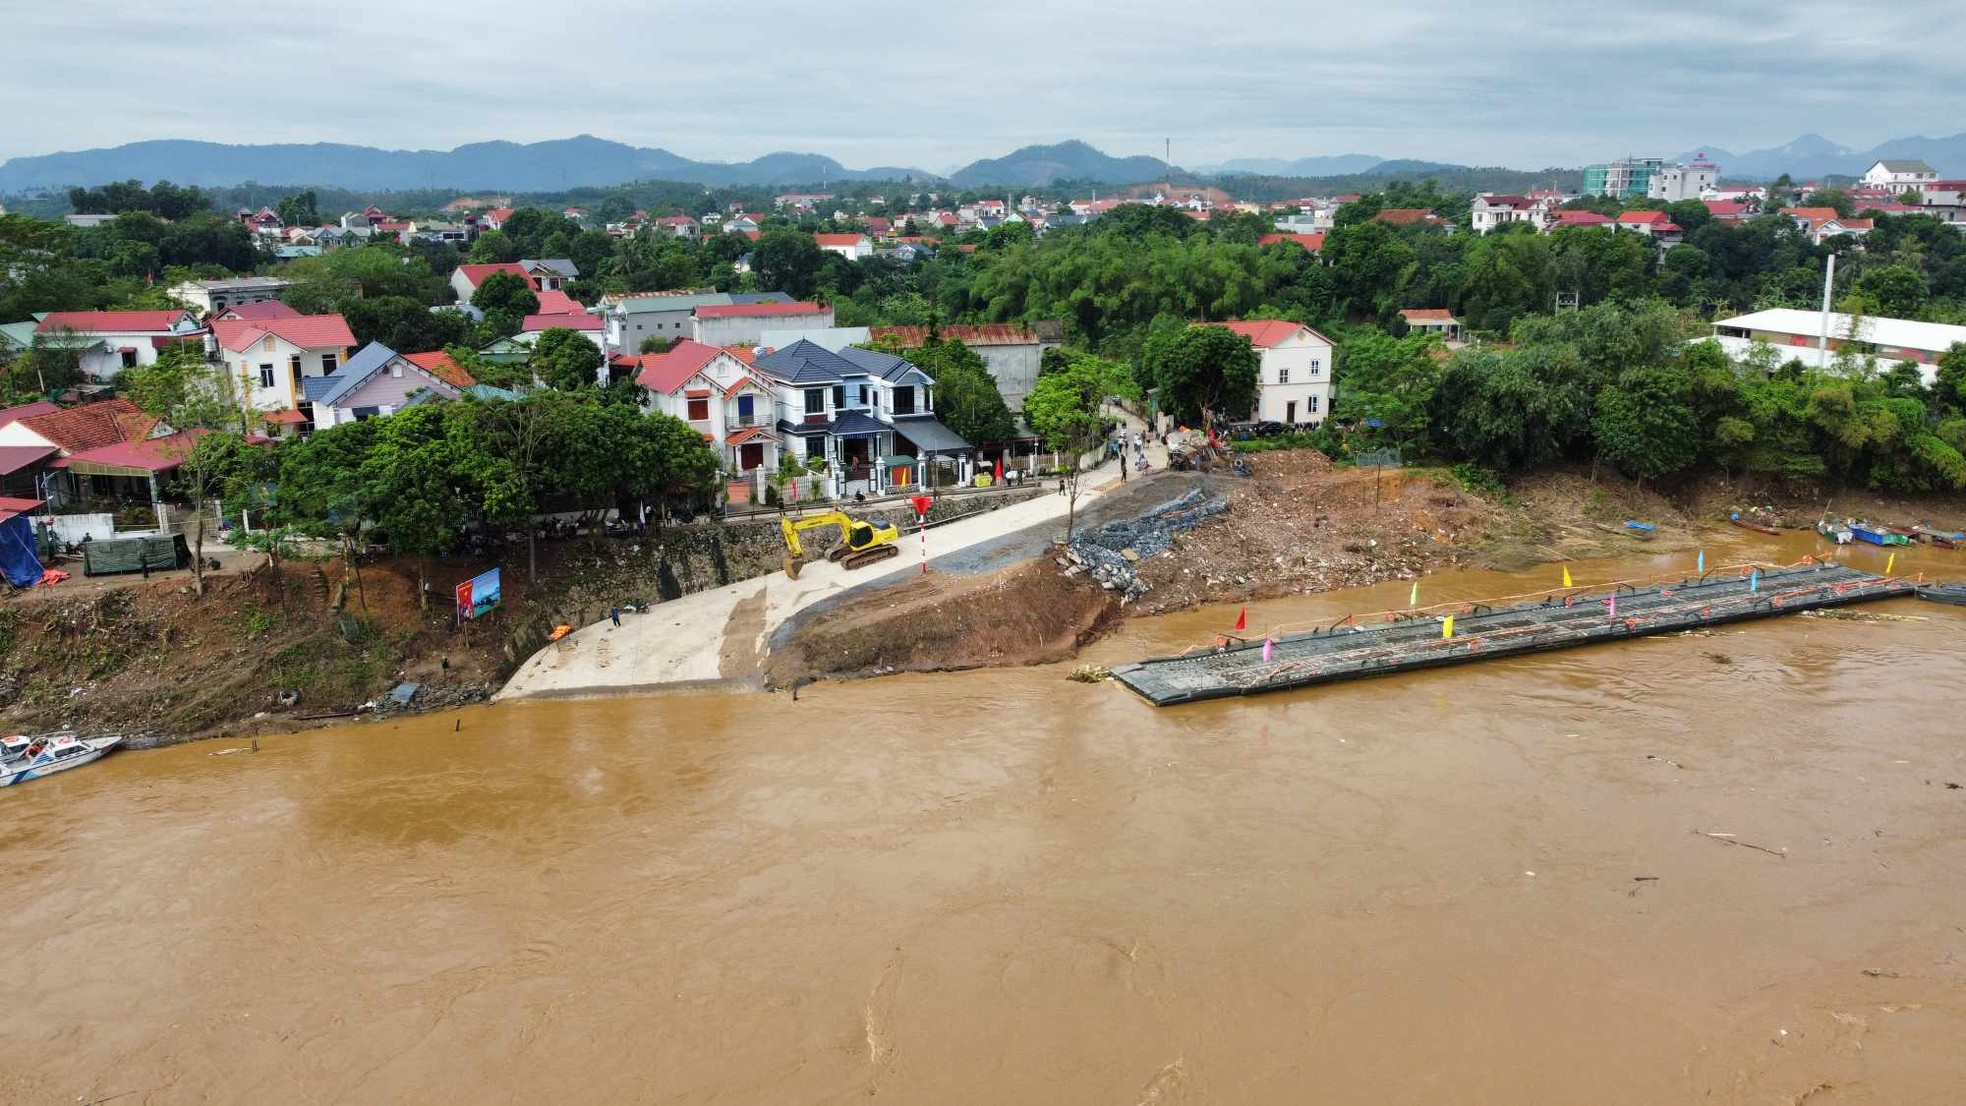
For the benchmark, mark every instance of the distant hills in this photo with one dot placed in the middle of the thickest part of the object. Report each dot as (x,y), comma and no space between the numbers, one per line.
(586,161)
(1813,156)
(1036,166)
(508,166)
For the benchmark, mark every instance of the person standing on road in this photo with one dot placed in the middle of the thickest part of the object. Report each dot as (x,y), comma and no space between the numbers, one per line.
(614,615)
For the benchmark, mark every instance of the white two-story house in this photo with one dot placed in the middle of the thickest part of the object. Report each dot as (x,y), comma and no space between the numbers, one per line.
(1293,383)
(714,391)
(107,342)
(269,358)
(867,416)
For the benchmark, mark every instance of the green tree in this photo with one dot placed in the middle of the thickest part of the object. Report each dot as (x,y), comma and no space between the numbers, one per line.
(1202,373)
(966,397)
(1645,423)
(201,403)
(1390,381)
(403,324)
(299,210)
(1893,291)
(566,359)
(506,299)
(1066,408)
(788,261)
(493,247)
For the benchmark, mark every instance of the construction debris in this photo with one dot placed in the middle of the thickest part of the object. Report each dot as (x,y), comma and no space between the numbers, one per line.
(1110,553)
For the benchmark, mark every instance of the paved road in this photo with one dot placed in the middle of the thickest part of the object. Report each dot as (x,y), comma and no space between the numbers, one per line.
(722,634)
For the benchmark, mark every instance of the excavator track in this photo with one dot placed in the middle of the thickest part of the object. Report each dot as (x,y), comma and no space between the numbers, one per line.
(869,556)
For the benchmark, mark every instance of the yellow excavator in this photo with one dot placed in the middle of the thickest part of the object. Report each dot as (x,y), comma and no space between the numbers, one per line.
(861,543)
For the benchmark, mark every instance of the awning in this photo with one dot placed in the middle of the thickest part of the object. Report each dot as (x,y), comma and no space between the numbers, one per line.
(289,415)
(855,423)
(930,436)
(14,458)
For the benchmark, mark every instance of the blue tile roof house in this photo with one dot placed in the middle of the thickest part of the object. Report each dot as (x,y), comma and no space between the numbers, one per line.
(868,415)
(376,381)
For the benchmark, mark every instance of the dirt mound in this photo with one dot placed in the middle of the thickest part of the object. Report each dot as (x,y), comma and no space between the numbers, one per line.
(1300,524)
(1026,614)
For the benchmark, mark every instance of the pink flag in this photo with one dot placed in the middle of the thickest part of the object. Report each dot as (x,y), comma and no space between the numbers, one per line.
(1266,650)
(1614,605)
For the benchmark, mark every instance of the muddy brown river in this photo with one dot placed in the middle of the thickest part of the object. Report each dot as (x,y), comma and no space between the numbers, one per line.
(1486,885)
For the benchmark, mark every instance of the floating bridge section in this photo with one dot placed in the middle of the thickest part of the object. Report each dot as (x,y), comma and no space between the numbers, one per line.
(1572,616)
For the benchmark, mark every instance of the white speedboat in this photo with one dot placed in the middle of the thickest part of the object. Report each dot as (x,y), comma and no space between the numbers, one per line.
(47,754)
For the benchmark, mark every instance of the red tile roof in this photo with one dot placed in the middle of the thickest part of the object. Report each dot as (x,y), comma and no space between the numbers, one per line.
(305,331)
(474,275)
(838,239)
(1579,219)
(1652,218)
(536,323)
(39,407)
(1428,314)
(559,303)
(1813,214)
(148,455)
(1724,208)
(1405,216)
(110,322)
(741,310)
(1311,242)
(1266,333)
(739,437)
(104,422)
(14,458)
(986,334)
(265,309)
(442,366)
(663,373)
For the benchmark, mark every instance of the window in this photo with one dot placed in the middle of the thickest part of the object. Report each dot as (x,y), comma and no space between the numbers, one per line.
(396,369)
(266,375)
(839,396)
(293,368)
(815,447)
(268,344)
(129,358)
(1283,374)
(361,413)
(815,401)
(1310,405)
(329,363)
(699,410)
(746,410)
(904,401)
(863,395)
(1316,365)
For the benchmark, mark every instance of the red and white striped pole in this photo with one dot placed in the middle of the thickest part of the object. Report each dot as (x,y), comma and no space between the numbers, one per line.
(922,504)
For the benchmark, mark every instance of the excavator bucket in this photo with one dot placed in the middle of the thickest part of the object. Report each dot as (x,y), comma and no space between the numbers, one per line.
(792,566)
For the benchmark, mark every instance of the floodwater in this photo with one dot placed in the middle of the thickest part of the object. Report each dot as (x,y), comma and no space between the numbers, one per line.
(1476,885)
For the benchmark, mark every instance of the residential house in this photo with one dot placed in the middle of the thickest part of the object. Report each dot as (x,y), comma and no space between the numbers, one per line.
(209,296)
(23,468)
(1672,183)
(15,339)
(265,309)
(1795,333)
(433,230)
(1489,211)
(465,279)
(1293,382)
(679,226)
(853,247)
(591,327)
(558,303)
(1729,211)
(635,317)
(1656,225)
(442,365)
(830,338)
(495,219)
(1437,321)
(1899,175)
(368,218)
(269,358)
(549,274)
(264,223)
(1408,217)
(1012,352)
(111,341)
(716,393)
(376,381)
(88,221)
(1945,200)
(878,227)
(55,435)
(1820,224)
(1587,219)
(742,224)
(1314,243)
(735,324)
(867,415)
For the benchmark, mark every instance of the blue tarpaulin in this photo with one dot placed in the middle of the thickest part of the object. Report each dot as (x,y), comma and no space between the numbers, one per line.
(17,559)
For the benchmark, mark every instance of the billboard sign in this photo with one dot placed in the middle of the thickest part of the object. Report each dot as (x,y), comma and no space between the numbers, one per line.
(477,596)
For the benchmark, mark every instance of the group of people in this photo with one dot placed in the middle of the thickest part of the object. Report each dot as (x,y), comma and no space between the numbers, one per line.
(1121,443)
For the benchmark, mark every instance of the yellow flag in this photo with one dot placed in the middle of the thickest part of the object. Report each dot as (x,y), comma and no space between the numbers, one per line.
(1447,627)
(1890,562)
(1566,576)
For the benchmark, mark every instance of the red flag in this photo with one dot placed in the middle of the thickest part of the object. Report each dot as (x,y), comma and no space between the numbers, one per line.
(999,470)
(1242,619)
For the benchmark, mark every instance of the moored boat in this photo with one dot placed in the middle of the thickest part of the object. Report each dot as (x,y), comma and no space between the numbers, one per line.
(1873,534)
(1946,538)
(1835,532)
(47,754)
(1750,524)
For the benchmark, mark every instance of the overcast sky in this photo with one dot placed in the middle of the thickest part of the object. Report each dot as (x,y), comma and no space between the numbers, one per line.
(921,84)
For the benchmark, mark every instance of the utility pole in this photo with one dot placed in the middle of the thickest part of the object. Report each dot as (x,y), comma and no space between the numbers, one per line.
(1829,279)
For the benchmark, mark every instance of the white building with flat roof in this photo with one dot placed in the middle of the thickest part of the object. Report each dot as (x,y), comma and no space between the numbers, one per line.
(1797,334)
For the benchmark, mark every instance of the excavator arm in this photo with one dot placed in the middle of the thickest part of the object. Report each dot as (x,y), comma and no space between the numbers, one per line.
(860,542)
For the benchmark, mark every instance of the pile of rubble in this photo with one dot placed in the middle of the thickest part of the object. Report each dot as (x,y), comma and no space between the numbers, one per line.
(1109,554)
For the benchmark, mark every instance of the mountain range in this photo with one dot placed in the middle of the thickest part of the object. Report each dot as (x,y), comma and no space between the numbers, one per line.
(1812,156)
(584,160)
(511,166)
